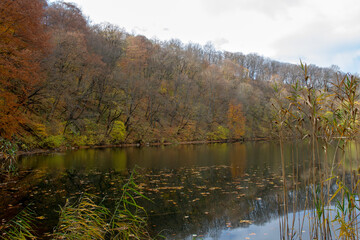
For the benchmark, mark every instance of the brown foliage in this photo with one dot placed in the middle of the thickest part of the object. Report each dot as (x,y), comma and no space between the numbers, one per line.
(65,16)
(22,43)
(236,120)
(138,51)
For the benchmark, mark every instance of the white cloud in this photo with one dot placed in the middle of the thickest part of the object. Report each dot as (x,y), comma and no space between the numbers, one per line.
(325,32)
(220,42)
(269,8)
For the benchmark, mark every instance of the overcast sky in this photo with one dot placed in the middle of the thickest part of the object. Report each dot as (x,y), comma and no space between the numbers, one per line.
(322,32)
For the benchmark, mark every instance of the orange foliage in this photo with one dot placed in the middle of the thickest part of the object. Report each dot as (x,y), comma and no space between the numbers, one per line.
(236,120)
(22,43)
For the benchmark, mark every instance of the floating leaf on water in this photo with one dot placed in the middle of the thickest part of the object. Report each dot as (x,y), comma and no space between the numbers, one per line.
(246,221)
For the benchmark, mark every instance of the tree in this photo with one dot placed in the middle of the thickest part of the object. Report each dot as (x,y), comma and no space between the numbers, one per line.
(236,120)
(65,16)
(72,72)
(23,43)
(132,75)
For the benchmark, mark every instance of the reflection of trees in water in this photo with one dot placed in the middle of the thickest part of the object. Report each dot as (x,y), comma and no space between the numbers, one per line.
(202,200)
(257,199)
(14,192)
(46,191)
(219,200)
(238,160)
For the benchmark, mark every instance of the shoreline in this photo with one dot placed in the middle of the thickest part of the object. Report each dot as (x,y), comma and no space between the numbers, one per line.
(125,145)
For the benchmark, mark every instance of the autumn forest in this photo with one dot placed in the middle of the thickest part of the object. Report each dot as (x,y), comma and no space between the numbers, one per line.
(283,157)
(67,82)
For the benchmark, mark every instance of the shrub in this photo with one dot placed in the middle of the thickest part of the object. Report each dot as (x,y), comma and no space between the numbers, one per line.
(221,133)
(8,151)
(118,133)
(53,141)
(80,140)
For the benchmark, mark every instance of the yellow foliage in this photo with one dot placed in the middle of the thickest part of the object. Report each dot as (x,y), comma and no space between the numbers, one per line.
(118,133)
(163,88)
(221,133)
(40,130)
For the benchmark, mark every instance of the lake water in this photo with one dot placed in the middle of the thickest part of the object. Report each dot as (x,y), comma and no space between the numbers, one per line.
(214,191)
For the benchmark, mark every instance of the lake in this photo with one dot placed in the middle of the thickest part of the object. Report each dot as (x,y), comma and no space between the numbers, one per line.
(213,191)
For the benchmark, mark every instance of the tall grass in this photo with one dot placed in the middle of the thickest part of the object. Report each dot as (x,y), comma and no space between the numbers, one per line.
(21,226)
(326,118)
(82,220)
(128,220)
(88,218)
(8,161)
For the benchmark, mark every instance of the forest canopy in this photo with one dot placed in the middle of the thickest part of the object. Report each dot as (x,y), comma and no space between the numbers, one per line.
(65,81)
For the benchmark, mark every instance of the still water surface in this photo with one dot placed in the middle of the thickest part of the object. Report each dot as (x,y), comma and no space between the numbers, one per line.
(216,191)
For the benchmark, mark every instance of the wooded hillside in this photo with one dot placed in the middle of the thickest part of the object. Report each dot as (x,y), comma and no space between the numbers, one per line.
(65,81)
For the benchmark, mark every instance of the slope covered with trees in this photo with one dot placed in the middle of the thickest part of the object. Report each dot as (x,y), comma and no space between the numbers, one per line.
(65,81)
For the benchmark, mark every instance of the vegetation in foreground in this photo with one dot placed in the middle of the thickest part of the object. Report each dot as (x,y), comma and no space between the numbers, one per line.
(89,219)
(328,117)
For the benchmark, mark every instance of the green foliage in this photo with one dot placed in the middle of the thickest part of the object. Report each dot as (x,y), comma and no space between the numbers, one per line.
(21,226)
(82,220)
(88,220)
(100,139)
(319,205)
(79,140)
(94,132)
(118,133)
(8,152)
(7,148)
(346,208)
(53,141)
(128,220)
(221,133)
(29,142)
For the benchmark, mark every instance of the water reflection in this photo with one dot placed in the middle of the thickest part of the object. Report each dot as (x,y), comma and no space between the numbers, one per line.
(218,191)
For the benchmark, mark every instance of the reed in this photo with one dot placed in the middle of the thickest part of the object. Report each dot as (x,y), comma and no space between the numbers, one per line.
(328,119)
(8,163)
(128,220)
(88,218)
(82,220)
(21,226)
